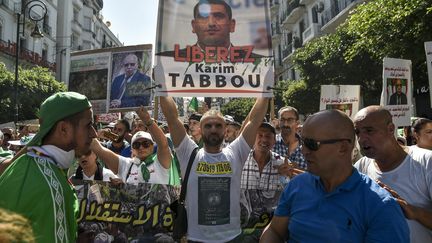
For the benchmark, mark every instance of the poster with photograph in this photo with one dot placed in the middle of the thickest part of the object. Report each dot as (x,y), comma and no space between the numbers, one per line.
(141,213)
(428,50)
(222,49)
(131,85)
(341,97)
(396,95)
(89,76)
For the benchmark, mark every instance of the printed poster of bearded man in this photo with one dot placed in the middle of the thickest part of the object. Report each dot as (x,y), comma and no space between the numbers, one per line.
(214,47)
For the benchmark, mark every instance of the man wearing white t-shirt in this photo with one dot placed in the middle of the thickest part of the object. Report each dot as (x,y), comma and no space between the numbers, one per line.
(406,170)
(144,166)
(213,190)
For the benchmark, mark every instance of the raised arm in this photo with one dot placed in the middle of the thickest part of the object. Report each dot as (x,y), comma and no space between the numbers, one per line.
(163,151)
(256,116)
(176,127)
(110,158)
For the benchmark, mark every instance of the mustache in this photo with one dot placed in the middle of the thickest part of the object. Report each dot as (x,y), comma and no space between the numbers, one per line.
(286,128)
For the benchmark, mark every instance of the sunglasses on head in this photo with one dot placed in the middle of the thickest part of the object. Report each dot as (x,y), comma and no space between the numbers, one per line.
(315,145)
(145,144)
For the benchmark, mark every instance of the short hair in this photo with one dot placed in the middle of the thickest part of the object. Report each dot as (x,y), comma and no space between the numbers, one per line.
(419,124)
(125,123)
(218,2)
(288,108)
(212,112)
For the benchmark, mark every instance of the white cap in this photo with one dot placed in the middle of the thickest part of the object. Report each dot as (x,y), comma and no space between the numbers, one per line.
(140,135)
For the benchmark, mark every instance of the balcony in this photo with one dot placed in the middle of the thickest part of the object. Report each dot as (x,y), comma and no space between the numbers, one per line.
(286,53)
(311,32)
(26,55)
(335,15)
(293,13)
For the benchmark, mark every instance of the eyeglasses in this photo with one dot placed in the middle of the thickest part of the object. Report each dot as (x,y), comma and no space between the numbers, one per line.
(145,144)
(315,145)
(129,64)
(289,120)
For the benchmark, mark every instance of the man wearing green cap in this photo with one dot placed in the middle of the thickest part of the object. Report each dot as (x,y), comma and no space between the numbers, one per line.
(35,185)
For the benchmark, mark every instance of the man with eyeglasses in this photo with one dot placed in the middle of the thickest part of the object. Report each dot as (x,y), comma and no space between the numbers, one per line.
(406,170)
(144,166)
(288,143)
(333,202)
(131,88)
(213,189)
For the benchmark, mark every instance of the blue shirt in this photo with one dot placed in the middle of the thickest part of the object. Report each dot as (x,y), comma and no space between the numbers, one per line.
(358,210)
(296,156)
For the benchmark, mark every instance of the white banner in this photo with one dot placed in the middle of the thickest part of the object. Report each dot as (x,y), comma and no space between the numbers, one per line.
(341,97)
(396,95)
(428,50)
(218,49)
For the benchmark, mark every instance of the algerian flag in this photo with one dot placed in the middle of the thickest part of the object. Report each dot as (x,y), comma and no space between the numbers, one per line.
(193,104)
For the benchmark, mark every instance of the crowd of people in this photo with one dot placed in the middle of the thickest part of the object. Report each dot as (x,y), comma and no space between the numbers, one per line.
(327,194)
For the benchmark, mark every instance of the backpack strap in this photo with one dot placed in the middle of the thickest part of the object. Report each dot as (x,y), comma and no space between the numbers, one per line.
(186,177)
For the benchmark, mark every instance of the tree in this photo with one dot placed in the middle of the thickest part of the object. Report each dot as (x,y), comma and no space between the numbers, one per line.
(238,108)
(353,55)
(34,86)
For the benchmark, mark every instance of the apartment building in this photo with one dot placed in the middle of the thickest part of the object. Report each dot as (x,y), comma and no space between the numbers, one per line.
(68,25)
(295,22)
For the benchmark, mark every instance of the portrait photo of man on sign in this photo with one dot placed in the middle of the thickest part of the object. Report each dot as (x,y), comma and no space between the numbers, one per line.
(399,88)
(131,82)
(213,46)
(212,24)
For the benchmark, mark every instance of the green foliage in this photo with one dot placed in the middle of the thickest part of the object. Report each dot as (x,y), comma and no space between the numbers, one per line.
(301,96)
(238,108)
(34,86)
(353,55)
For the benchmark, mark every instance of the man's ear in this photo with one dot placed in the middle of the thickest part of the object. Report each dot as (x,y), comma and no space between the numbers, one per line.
(391,128)
(64,129)
(232,25)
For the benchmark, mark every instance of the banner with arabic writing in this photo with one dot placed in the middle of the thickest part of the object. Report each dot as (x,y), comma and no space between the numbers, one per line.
(396,94)
(219,48)
(341,97)
(130,213)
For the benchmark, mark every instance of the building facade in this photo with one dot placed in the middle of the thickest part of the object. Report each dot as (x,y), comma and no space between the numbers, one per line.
(295,22)
(67,26)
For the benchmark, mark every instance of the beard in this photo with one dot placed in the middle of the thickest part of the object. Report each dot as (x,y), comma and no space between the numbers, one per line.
(213,139)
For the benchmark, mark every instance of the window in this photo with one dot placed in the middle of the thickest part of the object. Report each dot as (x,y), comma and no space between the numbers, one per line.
(87,23)
(45,52)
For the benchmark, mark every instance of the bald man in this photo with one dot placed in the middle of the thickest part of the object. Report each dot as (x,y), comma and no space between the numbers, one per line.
(333,202)
(407,170)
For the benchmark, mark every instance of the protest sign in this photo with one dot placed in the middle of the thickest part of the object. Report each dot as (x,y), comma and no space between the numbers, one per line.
(218,48)
(142,213)
(89,76)
(342,97)
(396,94)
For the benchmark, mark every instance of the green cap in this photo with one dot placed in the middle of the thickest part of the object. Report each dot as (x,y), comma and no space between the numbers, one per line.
(55,108)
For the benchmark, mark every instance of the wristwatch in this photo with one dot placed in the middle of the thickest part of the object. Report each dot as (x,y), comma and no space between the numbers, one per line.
(149,122)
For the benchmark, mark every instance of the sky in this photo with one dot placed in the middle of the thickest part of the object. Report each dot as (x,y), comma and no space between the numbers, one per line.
(132,21)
